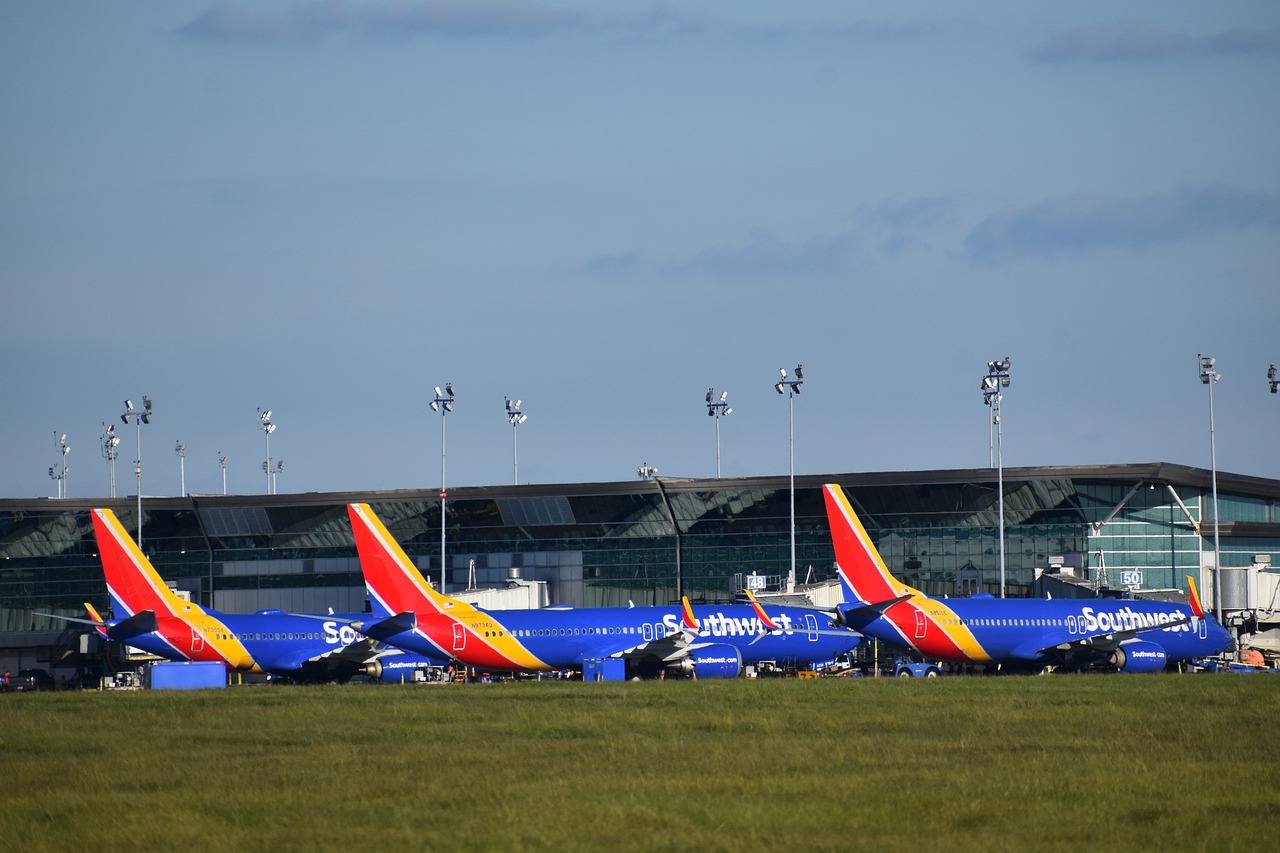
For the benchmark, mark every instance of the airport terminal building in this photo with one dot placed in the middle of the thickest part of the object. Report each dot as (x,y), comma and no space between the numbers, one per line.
(1081,530)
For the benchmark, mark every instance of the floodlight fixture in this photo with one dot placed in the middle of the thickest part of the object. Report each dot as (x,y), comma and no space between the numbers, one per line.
(1271,378)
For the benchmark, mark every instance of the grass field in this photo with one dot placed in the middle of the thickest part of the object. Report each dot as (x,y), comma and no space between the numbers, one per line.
(1058,763)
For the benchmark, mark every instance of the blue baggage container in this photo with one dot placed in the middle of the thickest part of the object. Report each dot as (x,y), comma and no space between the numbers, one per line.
(190,675)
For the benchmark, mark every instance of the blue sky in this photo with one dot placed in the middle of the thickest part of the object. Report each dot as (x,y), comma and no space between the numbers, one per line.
(328,208)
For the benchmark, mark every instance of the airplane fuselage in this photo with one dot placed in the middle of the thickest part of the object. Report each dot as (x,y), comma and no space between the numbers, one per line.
(555,639)
(274,642)
(984,629)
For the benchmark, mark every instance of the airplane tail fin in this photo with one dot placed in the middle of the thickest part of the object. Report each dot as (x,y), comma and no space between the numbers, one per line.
(864,573)
(134,585)
(1193,598)
(395,585)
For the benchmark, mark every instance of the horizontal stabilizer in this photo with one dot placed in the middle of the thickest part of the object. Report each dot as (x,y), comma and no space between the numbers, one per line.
(142,622)
(870,611)
(389,627)
(97,623)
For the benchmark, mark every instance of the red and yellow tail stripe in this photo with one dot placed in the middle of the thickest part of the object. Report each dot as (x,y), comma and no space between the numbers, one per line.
(136,586)
(925,623)
(395,581)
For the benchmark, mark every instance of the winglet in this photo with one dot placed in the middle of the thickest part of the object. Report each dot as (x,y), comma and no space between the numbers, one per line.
(1194,598)
(760,614)
(686,613)
(98,621)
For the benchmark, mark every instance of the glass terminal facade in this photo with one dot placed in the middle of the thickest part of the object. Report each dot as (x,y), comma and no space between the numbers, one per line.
(608,544)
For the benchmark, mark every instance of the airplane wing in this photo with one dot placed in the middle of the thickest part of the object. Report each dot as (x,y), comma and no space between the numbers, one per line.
(1097,643)
(668,648)
(357,653)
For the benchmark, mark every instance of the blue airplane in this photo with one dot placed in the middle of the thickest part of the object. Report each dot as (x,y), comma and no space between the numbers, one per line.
(1129,635)
(707,641)
(153,618)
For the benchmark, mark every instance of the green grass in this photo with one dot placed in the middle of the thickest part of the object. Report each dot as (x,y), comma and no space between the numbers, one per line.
(1059,763)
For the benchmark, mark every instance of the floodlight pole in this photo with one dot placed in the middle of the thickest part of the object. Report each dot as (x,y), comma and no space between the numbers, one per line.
(59,472)
(1208,376)
(138,418)
(264,420)
(181,450)
(109,444)
(997,378)
(792,388)
(443,403)
(515,417)
(222,463)
(718,409)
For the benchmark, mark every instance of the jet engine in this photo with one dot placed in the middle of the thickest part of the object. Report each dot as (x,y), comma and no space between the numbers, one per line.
(1139,656)
(392,668)
(715,661)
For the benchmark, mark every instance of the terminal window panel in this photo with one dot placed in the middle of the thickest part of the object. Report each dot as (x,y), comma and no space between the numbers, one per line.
(1235,508)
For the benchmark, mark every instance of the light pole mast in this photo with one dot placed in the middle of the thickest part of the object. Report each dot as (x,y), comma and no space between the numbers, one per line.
(443,403)
(264,420)
(718,409)
(515,417)
(59,472)
(138,418)
(109,444)
(993,383)
(181,450)
(1210,377)
(792,388)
